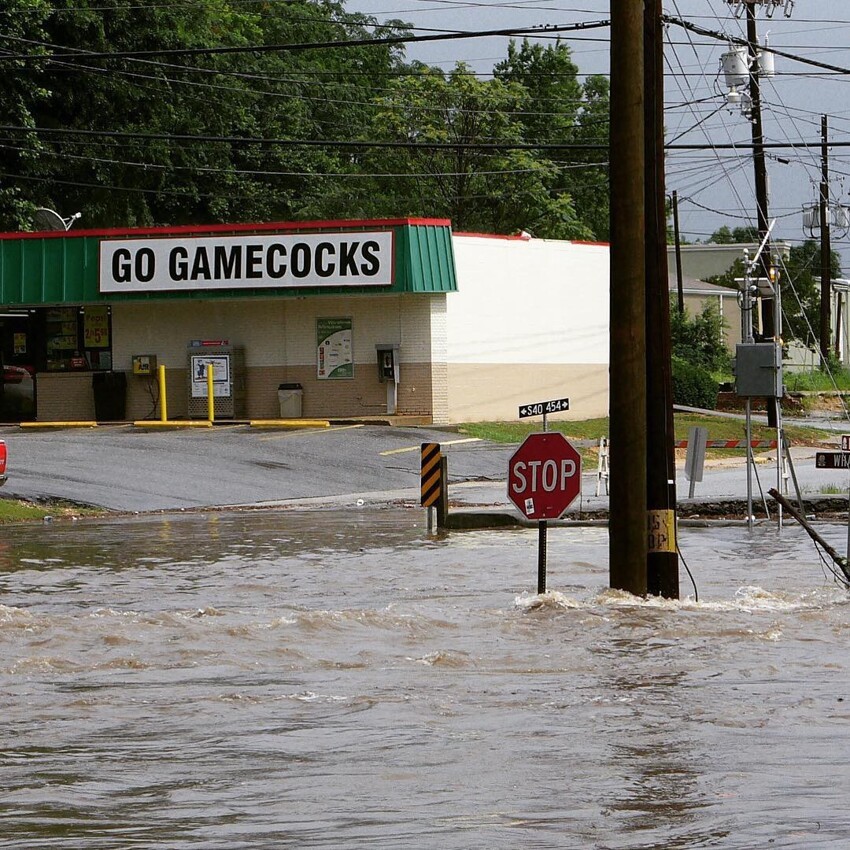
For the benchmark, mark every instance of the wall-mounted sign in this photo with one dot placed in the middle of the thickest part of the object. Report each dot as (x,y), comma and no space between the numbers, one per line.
(241,262)
(334,357)
(221,374)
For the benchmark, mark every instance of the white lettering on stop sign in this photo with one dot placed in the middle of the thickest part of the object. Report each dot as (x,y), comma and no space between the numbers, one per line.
(543,474)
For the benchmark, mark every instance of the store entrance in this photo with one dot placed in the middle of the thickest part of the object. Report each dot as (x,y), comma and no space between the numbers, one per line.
(18,344)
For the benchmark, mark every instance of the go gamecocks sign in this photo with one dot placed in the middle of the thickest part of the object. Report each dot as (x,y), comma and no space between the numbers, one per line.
(544,475)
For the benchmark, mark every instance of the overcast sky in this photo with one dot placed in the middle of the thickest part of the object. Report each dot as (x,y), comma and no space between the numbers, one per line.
(793,101)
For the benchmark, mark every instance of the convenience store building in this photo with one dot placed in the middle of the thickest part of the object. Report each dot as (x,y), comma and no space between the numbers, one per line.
(356,318)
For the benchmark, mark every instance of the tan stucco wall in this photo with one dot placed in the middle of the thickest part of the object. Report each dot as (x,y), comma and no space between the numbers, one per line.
(488,392)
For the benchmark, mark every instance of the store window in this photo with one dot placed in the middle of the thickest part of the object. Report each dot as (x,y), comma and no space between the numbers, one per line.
(77,338)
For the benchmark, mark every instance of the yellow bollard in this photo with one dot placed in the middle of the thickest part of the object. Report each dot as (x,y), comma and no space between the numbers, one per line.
(210,397)
(163,405)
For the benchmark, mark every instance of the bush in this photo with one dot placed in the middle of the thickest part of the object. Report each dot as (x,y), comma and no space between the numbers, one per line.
(693,386)
(699,339)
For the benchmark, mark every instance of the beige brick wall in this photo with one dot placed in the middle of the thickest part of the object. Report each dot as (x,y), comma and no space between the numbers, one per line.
(64,397)
(279,337)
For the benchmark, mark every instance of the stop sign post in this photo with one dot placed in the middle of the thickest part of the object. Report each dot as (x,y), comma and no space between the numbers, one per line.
(544,478)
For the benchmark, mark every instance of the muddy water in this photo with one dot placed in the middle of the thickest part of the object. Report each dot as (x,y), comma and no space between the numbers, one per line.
(329,680)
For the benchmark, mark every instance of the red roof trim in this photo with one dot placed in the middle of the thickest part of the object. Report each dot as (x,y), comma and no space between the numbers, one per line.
(517,237)
(209,229)
(512,237)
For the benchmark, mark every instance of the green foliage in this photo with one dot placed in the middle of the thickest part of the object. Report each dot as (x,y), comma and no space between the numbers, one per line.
(699,339)
(693,385)
(364,93)
(726,236)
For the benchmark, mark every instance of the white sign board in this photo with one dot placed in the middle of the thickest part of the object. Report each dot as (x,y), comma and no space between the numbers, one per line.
(221,374)
(247,262)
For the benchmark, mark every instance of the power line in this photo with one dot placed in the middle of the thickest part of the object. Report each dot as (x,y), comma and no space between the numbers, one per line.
(545,29)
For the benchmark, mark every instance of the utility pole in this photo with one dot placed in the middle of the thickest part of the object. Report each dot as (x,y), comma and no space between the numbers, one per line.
(678,243)
(825,246)
(628,453)
(768,326)
(662,564)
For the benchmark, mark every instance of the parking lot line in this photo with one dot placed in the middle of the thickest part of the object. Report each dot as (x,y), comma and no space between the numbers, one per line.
(417,448)
(288,434)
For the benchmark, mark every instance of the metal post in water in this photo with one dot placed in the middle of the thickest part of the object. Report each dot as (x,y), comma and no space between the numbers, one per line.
(541,556)
(163,402)
(749,464)
(780,456)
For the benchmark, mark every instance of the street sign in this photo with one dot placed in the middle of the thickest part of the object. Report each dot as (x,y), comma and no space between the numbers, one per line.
(540,408)
(832,460)
(544,475)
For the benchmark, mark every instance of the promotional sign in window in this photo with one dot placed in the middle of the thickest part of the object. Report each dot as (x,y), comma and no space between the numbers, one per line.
(334,352)
(96,327)
(221,374)
(254,261)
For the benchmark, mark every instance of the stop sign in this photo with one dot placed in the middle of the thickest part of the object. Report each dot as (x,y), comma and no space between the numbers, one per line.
(544,475)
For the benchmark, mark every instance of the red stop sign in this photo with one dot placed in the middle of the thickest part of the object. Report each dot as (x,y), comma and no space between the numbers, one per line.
(544,475)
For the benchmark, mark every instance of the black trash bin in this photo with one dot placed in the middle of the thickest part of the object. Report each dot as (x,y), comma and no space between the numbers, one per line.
(110,396)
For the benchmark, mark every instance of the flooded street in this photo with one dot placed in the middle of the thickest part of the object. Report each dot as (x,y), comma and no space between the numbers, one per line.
(338,680)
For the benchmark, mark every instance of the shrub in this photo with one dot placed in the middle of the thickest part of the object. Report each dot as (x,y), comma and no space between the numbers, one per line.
(693,385)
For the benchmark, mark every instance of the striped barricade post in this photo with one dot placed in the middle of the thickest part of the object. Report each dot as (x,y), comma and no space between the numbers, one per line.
(433,483)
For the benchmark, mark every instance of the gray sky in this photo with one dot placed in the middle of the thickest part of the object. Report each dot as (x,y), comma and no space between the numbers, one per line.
(793,101)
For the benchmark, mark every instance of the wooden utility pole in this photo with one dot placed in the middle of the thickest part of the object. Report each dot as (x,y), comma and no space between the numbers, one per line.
(759,161)
(662,558)
(825,246)
(678,244)
(768,325)
(627,392)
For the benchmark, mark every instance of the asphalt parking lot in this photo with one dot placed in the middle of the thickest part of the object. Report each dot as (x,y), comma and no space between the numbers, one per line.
(130,469)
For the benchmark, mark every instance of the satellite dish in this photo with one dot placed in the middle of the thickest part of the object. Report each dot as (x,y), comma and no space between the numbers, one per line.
(47,219)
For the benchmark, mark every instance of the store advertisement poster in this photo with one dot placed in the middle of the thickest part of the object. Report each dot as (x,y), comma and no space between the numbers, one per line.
(334,349)
(221,375)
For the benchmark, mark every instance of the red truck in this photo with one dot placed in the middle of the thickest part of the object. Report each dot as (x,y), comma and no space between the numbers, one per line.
(2,463)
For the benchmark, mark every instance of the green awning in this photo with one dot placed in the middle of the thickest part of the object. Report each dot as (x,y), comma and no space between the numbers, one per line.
(262,260)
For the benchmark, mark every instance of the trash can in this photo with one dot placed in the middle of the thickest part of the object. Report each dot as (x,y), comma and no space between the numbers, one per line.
(110,396)
(289,396)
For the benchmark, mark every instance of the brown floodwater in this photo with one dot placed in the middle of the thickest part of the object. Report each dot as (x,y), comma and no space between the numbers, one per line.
(339,680)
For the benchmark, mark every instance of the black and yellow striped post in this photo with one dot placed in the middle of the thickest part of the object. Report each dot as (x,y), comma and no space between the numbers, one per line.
(433,481)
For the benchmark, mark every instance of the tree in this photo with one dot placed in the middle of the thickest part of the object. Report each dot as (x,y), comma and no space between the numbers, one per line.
(121,178)
(560,110)
(479,188)
(725,236)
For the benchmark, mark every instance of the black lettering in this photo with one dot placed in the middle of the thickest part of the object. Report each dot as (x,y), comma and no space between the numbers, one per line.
(347,264)
(254,265)
(274,269)
(325,268)
(372,264)
(122,269)
(178,264)
(201,266)
(301,259)
(227,262)
(145,264)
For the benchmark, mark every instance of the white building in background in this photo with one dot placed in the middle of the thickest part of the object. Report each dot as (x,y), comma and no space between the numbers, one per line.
(529,322)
